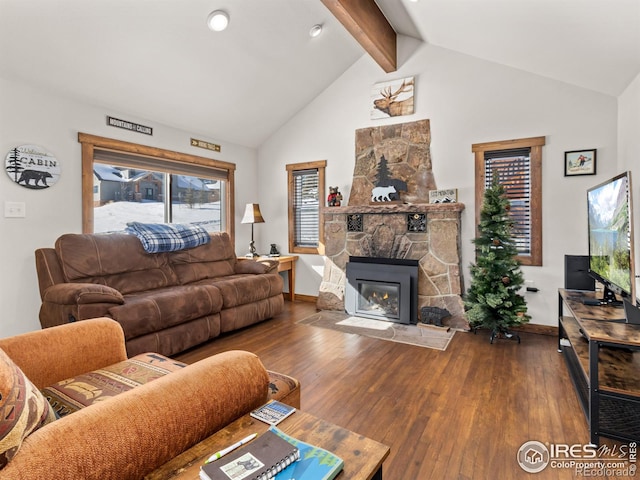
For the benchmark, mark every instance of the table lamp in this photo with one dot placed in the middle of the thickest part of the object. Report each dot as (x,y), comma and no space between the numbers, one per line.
(252,215)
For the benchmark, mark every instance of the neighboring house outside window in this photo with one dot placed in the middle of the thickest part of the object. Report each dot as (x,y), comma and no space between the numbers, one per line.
(518,165)
(121,185)
(306,192)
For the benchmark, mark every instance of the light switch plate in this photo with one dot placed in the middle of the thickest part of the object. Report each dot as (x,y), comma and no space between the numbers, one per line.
(15,209)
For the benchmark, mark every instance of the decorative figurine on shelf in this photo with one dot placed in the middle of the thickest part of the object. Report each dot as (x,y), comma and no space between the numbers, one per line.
(386,188)
(334,198)
(274,251)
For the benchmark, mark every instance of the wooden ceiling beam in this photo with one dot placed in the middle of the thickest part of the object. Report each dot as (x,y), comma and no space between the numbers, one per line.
(368,25)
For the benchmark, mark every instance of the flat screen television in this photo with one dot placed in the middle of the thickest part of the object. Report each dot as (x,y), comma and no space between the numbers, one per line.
(610,222)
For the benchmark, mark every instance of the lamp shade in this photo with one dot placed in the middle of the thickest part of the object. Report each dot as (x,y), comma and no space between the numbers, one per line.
(252,214)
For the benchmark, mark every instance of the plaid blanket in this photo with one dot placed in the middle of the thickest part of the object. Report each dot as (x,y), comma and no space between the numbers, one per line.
(168,237)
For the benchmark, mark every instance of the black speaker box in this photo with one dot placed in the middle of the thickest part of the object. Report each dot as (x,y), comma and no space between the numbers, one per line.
(576,273)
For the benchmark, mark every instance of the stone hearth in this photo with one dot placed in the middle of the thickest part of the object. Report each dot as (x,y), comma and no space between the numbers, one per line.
(429,233)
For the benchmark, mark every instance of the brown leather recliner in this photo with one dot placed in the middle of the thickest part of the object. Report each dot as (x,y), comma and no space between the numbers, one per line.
(165,302)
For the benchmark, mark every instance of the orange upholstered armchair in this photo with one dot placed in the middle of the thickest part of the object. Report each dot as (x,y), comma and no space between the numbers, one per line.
(133,433)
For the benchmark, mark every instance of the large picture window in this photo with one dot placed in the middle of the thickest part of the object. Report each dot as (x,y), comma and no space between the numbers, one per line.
(518,167)
(135,183)
(306,190)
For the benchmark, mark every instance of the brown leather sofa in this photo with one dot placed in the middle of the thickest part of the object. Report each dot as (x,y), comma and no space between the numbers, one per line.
(165,302)
(133,433)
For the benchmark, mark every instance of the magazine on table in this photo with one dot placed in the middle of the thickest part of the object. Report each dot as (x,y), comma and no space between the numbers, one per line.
(273,412)
(315,463)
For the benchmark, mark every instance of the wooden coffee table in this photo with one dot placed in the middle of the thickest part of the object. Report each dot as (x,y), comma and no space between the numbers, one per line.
(362,456)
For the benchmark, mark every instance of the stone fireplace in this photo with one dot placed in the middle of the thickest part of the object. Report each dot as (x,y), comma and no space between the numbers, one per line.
(407,228)
(385,233)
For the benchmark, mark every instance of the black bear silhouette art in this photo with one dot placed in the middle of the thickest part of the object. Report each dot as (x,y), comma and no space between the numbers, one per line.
(37,175)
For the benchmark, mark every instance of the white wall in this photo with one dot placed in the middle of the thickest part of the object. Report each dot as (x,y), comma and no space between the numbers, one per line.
(467,101)
(629,153)
(31,116)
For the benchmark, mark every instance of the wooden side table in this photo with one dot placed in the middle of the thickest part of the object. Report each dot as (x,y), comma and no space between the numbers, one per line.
(362,456)
(287,263)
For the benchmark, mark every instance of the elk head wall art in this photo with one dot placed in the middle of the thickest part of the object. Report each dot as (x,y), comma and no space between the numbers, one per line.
(392,99)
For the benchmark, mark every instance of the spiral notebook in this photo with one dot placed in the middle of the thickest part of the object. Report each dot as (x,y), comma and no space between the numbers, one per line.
(260,459)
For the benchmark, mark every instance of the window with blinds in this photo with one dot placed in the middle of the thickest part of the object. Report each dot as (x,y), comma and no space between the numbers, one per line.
(306,187)
(306,208)
(518,167)
(513,169)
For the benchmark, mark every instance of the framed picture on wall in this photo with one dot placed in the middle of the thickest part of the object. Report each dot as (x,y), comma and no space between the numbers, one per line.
(580,162)
(392,99)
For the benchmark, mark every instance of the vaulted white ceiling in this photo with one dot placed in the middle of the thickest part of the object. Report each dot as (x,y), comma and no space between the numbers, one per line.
(157,60)
(590,43)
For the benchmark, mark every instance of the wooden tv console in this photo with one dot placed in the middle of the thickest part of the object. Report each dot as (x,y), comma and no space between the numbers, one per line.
(603,358)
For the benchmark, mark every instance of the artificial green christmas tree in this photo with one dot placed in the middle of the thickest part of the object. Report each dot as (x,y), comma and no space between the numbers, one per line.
(492,300)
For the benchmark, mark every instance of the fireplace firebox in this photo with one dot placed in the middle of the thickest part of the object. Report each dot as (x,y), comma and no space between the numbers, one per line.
(382,289)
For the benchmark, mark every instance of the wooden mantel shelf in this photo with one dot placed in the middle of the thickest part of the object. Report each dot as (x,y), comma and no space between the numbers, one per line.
(382,208)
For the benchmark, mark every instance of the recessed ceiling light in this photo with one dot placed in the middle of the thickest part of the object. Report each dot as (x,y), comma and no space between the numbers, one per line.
(218,20)
(315,31)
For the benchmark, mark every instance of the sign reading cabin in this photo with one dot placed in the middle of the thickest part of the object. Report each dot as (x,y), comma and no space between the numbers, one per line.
(31,166)
(134,127)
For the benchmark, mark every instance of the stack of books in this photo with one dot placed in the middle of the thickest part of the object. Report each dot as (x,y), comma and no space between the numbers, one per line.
(272,455)
(260,459)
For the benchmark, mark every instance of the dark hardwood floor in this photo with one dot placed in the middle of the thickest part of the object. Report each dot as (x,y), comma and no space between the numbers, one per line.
(458,414)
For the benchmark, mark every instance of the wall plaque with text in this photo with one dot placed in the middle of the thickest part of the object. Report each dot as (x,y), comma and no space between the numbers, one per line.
(134,127)
(202,144)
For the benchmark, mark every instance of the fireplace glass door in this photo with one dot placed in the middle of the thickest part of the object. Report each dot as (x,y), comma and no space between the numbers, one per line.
(379,298)
(382,289)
